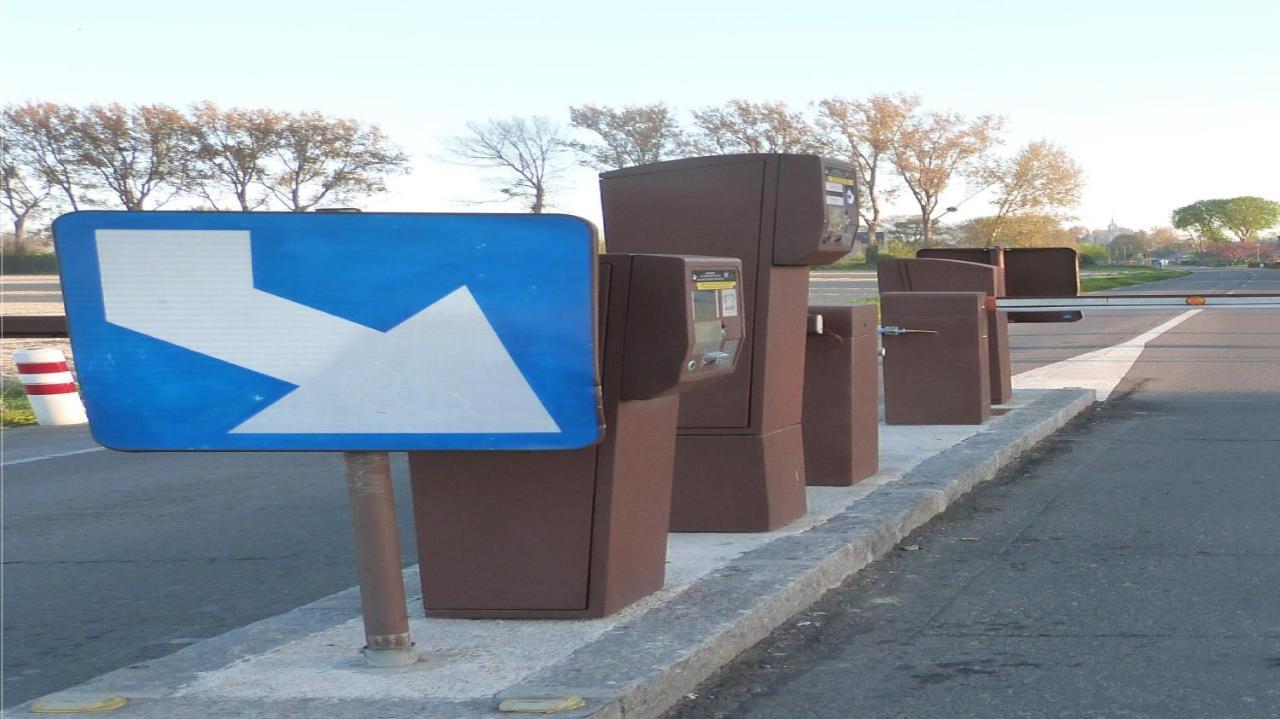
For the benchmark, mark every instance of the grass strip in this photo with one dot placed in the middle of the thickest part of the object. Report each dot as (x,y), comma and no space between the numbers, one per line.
(858,265)
(1127,278)
(15,410)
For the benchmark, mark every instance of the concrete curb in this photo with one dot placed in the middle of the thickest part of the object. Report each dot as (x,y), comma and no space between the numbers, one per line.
(646,663)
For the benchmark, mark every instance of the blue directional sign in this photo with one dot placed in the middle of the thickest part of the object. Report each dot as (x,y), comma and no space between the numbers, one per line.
(291,331)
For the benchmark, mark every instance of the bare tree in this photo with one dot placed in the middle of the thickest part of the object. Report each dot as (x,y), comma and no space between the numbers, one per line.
(864,132)
(44,136)
(528,152)
(632,135)
(24,192)
(321,158)
(234,147)
(138,154)
(1041,179)
(932,147)
(742,126)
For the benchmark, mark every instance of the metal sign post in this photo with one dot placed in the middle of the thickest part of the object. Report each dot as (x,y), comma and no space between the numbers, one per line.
(377,540)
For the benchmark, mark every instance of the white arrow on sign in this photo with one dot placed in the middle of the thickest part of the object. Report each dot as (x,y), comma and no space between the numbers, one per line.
(442,371)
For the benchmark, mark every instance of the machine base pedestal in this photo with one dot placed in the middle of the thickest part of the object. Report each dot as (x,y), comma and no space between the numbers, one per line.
(552,535)
(940,373)
(738,483)
(841,397)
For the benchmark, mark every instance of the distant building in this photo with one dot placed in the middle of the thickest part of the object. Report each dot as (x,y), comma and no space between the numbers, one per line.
(1104,237)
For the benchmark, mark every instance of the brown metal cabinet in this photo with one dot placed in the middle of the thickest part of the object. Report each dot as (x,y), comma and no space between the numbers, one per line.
(583,533)
(739,452)
(841,417)
(937,373)
(934,274)
(1042,272)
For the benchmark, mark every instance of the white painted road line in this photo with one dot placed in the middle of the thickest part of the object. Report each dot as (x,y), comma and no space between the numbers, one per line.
(1100,370)
(43,457)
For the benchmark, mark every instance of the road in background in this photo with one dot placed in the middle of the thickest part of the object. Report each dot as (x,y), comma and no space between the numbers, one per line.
(112,558)
(1127,569)
(838,288)
(1035,345)
(29,295)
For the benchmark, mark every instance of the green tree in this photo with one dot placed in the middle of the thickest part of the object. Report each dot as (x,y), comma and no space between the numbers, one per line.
(1202,220)
(908,229)
(1091,254)
(1127,247)
(1244,217)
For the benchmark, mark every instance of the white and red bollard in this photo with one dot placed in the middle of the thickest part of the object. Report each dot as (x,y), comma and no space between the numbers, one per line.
(50,386)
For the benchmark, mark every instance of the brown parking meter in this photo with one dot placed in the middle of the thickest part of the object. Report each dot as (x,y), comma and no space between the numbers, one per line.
(583,533)
(740,453)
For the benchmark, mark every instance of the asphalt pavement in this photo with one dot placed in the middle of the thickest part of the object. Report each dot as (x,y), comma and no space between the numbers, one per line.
(112,559)
(1034,345)
(1127,569)
(837,288)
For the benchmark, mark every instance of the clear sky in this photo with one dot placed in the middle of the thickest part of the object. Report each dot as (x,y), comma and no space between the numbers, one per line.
(1161,102)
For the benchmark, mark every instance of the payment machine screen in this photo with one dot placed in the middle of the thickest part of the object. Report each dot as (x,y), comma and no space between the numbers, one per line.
(706,305)
(714,297)
(841,202)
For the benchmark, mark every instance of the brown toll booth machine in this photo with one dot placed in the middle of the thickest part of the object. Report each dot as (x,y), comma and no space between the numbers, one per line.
(945,275)
(740,464)
(583,533)
(928,303)
(1024,272)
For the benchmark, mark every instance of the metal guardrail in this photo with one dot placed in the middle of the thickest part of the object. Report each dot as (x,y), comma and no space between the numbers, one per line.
(1257,301)
(33,326)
